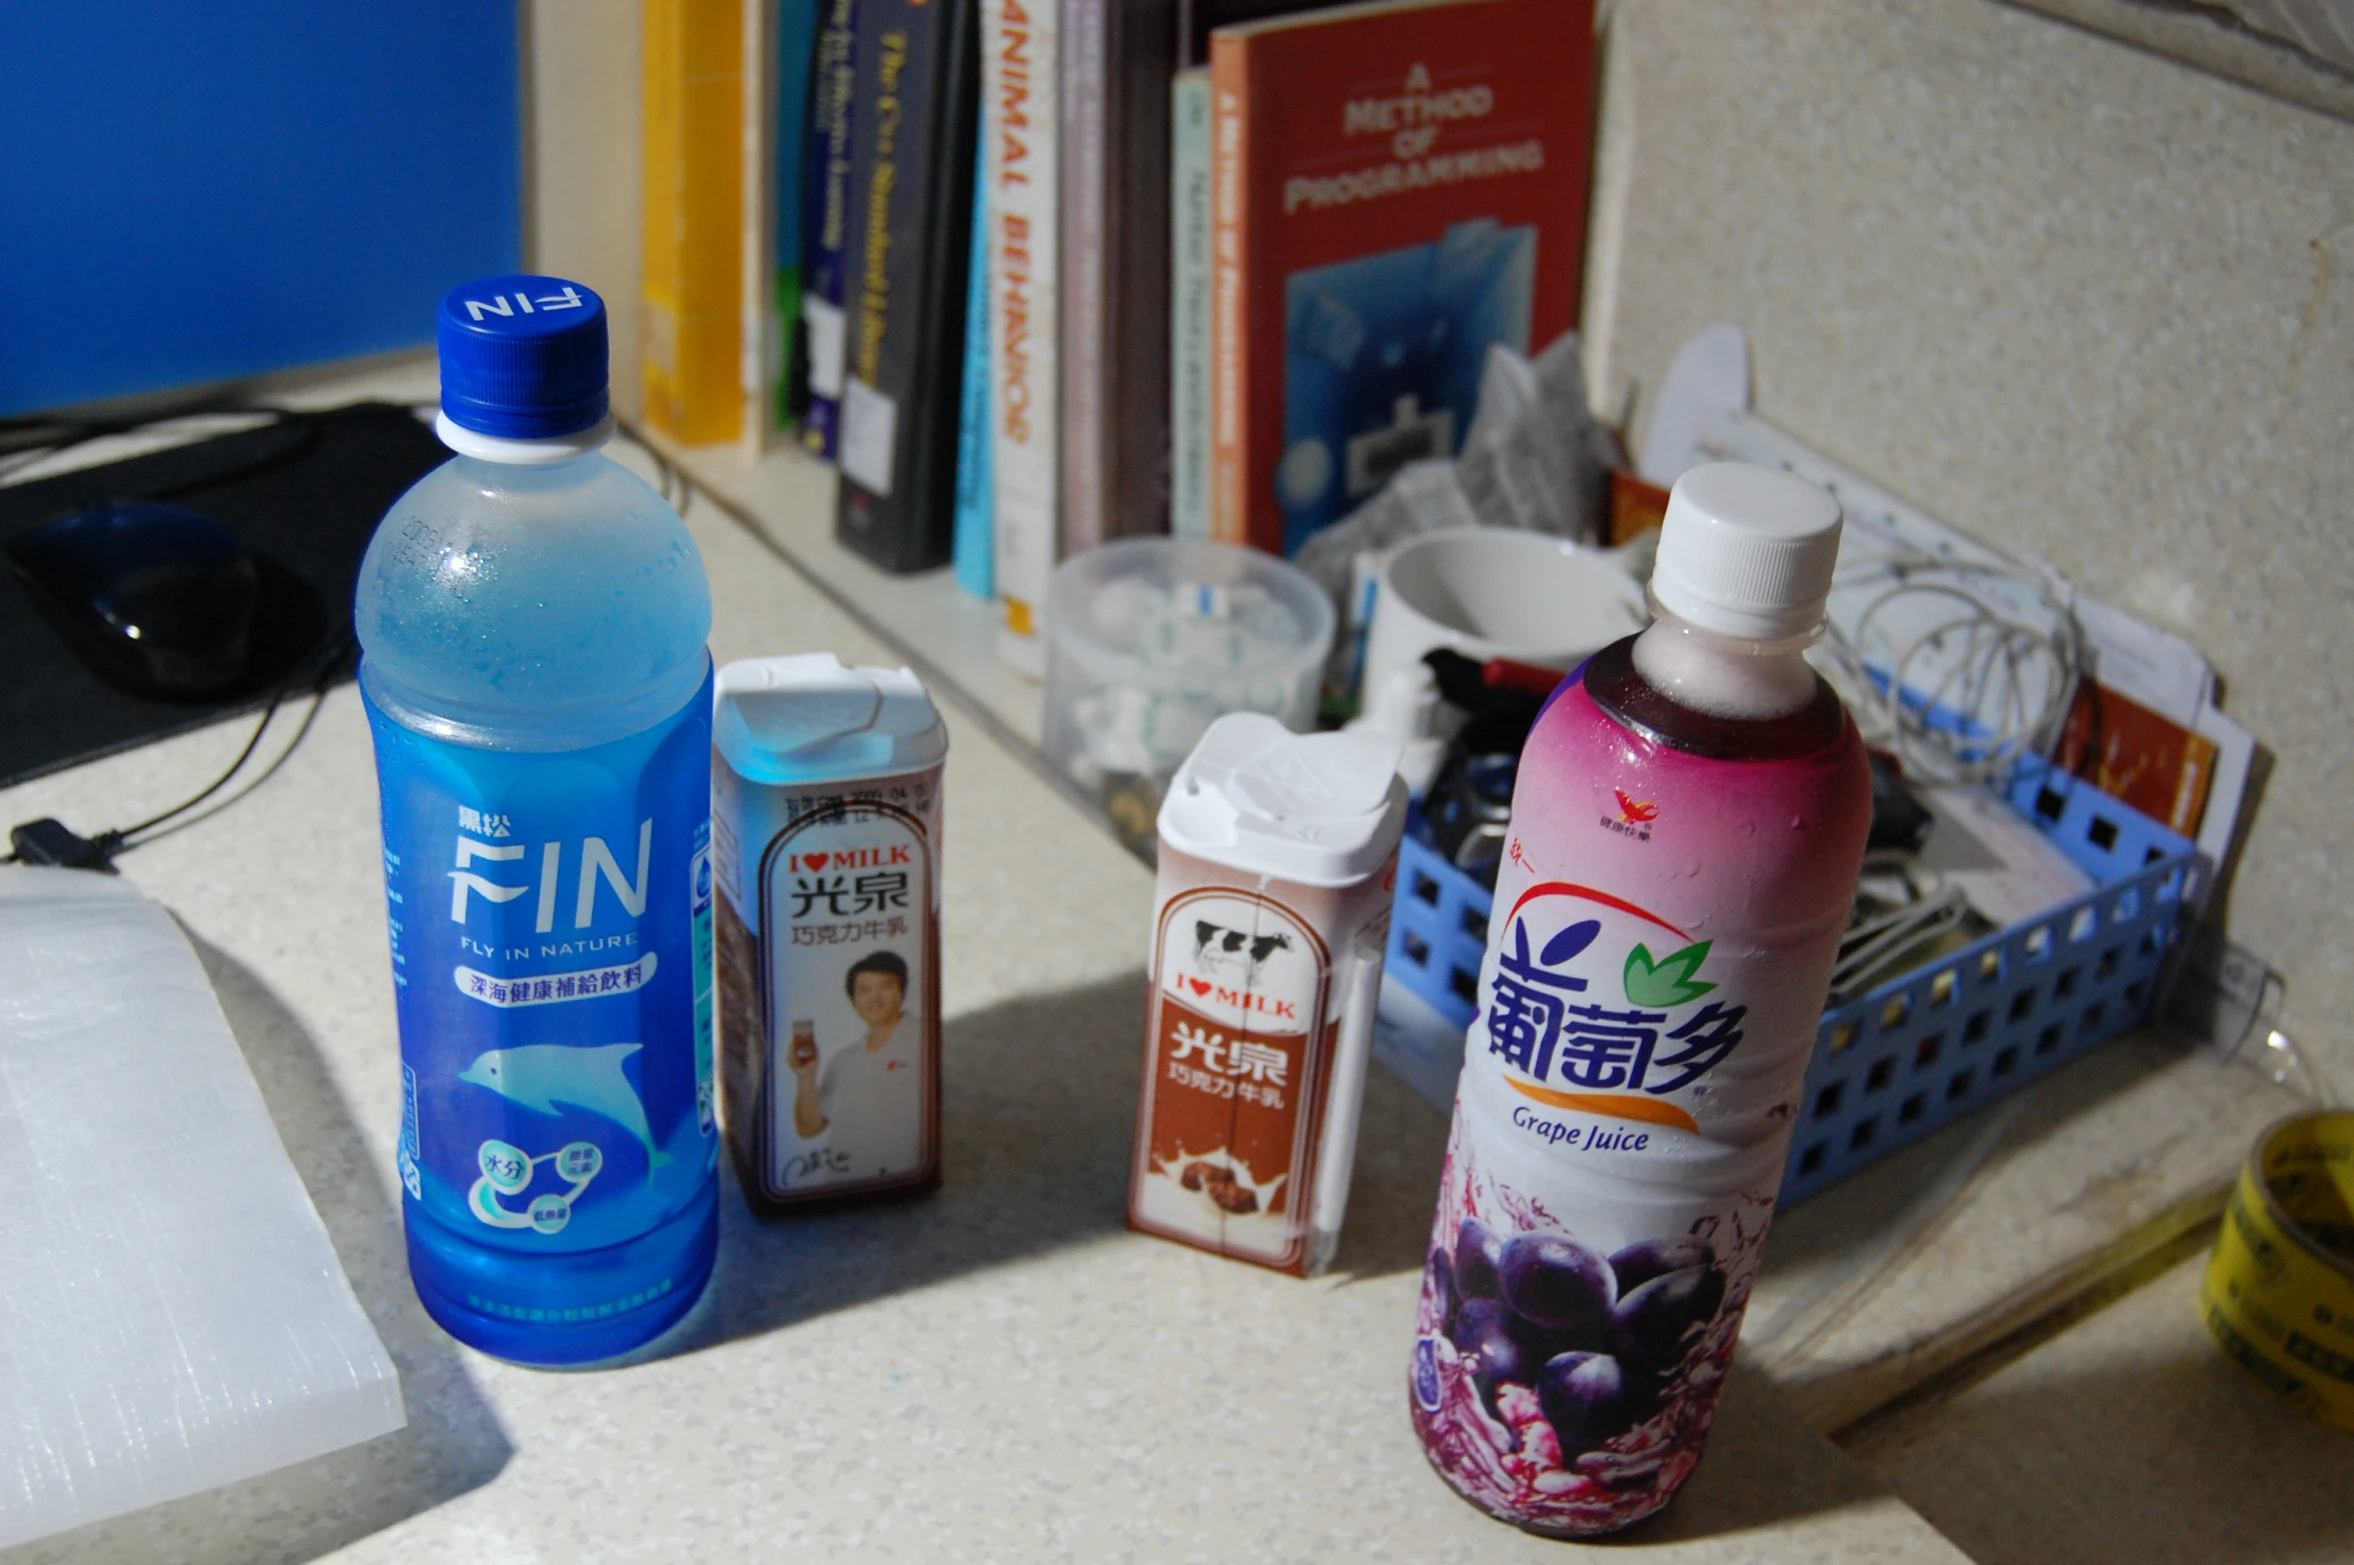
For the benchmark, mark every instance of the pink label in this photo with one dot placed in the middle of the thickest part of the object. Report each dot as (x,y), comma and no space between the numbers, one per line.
(1664,927)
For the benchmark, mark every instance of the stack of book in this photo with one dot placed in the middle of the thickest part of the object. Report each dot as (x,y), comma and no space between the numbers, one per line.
(1044,273)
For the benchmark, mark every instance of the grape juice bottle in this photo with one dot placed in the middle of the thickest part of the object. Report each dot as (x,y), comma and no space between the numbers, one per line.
(1686,831)
(532,619)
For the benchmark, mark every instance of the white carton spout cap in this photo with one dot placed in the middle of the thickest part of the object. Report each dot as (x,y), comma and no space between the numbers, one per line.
(809,718)
(1316,809)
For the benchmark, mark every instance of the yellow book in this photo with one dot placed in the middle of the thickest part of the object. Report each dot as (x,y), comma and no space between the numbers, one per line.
(693,321)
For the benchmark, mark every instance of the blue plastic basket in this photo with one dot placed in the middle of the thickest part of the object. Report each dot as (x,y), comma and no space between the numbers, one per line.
(1438,929)
(1919,1051)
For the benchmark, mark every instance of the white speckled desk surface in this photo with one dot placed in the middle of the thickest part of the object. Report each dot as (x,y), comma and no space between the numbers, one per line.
(2172,1451)
(997,1371)
(1872,1287)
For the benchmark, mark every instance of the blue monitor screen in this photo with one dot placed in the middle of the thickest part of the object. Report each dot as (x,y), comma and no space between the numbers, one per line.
(198,193)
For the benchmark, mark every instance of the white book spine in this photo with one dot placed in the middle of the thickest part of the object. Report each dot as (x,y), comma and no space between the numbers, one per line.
(1189,304)
(1020,120)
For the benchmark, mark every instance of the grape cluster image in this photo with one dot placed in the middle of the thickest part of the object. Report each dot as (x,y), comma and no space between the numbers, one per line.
(1597,1339)
(1564,1383)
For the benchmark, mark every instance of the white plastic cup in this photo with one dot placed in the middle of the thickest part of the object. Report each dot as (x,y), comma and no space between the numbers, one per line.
(1490,592)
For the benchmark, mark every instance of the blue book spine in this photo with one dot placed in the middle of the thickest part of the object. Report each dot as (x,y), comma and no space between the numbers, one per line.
(976,517)
(825,240)
(796,41)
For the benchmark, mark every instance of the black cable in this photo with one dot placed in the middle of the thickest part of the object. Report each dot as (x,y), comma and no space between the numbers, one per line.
(124,837)
(36,440)
(670,480)
(49,841)
(310,716)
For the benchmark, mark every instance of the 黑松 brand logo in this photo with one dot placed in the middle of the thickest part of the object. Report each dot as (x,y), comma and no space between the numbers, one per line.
(566,297)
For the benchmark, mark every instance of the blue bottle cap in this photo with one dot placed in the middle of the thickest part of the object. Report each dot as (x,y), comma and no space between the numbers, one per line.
(523,358)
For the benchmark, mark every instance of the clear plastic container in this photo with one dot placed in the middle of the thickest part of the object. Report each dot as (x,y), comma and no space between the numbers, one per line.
(1151,640)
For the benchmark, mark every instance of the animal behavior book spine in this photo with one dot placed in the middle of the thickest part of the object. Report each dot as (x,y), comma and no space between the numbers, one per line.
(1020,87)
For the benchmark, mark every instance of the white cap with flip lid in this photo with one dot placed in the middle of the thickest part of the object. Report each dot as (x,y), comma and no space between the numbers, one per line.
(800,719)
(1747,552)
(1315,809)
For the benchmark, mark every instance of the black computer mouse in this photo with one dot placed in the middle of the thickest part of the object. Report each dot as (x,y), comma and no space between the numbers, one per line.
(157,600)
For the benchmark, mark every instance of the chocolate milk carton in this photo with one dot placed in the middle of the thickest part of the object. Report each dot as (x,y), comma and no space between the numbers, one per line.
(1278,862)
(825,835)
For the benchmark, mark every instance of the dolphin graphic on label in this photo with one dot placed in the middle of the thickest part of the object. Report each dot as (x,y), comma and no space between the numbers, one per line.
(541,1075)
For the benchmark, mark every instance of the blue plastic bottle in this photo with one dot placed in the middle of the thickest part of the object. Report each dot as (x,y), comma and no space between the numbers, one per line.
(533,620)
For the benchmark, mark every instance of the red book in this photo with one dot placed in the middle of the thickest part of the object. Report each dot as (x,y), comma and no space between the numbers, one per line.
(1395,188)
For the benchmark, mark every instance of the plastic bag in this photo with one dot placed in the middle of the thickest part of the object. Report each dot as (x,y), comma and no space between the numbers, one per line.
(172,1316)
(1534,459)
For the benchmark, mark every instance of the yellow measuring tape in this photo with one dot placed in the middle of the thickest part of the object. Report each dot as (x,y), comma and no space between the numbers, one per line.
(2279,1294)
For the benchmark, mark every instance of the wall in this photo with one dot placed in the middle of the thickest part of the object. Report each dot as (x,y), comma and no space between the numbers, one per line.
(2088,303)
(587,158)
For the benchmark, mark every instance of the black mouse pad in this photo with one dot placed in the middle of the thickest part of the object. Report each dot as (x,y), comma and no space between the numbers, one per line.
(302,495)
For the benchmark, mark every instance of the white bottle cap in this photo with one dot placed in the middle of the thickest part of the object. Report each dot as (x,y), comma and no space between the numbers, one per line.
(1314,809)
(1747,551)
(807,718)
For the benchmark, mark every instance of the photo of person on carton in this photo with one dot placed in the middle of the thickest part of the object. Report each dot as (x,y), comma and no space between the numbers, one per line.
(862,1098)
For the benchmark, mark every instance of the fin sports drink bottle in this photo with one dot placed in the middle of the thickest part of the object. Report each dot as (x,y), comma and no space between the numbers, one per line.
(1687,826)
(532,618)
